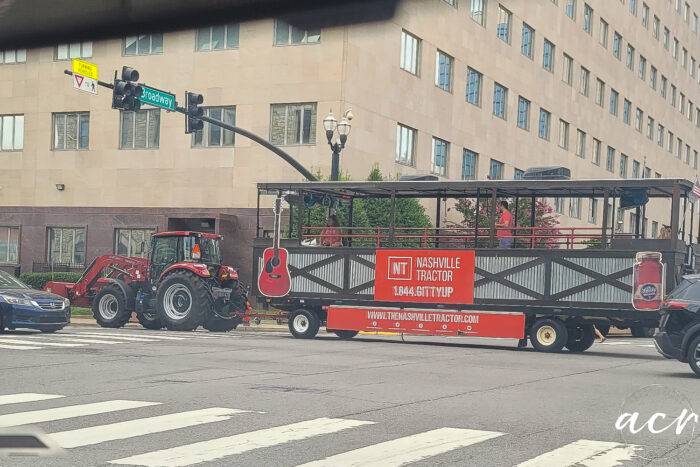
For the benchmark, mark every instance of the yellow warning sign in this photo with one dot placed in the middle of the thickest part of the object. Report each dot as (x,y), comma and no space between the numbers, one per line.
(83,68)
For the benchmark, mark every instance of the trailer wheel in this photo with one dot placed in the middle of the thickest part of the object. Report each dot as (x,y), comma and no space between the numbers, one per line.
(548,335)
(694,355)
(149,320)
(304,324)
(581,338)
(182,301)
(346,334)
(109,307)
(641,331)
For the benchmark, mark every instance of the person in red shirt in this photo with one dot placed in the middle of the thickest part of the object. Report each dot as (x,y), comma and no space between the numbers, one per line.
(331,235)
(504,224)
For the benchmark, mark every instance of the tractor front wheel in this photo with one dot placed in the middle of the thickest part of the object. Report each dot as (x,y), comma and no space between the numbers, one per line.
(109,307)
(182,301)
(149,320)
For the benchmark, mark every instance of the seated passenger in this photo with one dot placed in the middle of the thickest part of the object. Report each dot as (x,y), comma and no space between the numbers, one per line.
(331,235)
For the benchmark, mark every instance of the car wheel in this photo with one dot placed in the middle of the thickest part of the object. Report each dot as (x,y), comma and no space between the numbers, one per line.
(694,355)
(548,335)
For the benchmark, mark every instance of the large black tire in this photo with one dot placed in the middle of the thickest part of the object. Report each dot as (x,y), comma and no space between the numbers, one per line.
(346,334)
(640,331)
(150,320)
(604,329)
(109,307)
(304,324)
(182,301)
(580,338)
(548,335)
(216,324)
(694,355)
(51,329)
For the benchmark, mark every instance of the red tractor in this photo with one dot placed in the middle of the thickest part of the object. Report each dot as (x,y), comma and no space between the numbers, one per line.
(182,286)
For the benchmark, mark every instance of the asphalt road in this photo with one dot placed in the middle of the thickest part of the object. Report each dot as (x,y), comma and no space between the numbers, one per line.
(136,397)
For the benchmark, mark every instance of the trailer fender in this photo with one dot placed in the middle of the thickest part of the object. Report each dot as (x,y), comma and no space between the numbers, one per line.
(127,290)
(688,335)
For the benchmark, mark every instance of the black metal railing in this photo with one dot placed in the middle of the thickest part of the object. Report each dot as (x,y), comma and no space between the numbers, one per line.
(57,267)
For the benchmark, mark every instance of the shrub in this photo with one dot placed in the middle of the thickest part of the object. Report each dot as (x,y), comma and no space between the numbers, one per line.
(38,280)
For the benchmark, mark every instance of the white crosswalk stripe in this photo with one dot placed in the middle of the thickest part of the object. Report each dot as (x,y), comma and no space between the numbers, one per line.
(26,397)
(71,411)
(19,347)
(409,449)
(584,453)
(214,449)
(126,336)
(31,342)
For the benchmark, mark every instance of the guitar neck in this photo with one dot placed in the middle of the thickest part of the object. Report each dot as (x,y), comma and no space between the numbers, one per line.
(278,213)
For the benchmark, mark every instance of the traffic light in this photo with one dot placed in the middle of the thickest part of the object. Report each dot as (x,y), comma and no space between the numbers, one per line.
(126,92)
(193,110)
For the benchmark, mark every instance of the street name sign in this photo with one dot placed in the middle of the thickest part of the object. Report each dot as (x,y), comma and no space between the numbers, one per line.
(87,69)
(158,98)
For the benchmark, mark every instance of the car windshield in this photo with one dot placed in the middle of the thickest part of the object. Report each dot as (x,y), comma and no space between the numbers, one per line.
(208,248)
(686,290)
(8,281)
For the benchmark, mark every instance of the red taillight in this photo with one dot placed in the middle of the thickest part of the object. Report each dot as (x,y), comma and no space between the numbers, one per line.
(673,305)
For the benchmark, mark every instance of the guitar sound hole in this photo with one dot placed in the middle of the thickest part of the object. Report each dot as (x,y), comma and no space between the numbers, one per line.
(275,262)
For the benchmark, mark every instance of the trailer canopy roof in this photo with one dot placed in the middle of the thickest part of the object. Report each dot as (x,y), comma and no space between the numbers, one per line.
(655,187)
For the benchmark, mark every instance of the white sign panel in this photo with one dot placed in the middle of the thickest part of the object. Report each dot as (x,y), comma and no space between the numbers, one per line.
(84,83)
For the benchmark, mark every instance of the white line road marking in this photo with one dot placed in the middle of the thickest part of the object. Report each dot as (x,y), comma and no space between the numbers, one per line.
(584,453)
(26,397)
(71,411)
(160,334)
(211,450)
(104,336)
(409,449)
(19,347)
(36,342)
(87,341)
(140,427)
(135,336)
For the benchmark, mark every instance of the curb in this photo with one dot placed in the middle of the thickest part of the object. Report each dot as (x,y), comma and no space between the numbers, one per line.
(91,323)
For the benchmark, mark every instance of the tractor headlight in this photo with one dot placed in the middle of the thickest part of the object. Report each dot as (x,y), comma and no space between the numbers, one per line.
(16,301)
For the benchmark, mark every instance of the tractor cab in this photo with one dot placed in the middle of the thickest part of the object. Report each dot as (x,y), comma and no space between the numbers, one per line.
(170,248)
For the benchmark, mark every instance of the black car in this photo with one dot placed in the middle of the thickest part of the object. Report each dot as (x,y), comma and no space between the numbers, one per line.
(23,307)
(679,330)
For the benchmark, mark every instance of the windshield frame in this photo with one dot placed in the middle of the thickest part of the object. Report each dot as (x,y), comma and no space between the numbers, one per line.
(209,248)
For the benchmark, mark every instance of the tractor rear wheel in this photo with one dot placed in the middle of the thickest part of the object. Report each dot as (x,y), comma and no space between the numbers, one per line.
(109,307)
(149,320)
(182,301)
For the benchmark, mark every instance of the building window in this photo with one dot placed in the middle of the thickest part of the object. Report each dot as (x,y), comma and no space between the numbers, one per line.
(669,142)
(623,166)
(635,169)
(664,83)
(633,7)
(687,154)
(695,159)
(654,229)
(478,11)
(518,174)
(681,103)
(13,56)
(686,13)
(587,18)
(660,135)
(626,110)
(11,133)
(633,223)
(443,71)
(523,113)
(470,165)
(650,128)
(571,9)
(563,134)
(613,102)
(692,67)
(667,36)
(592,210)
(140,129)
(695,23)
(642,68)
(689,111)
(630,57)
(674,51)
(559,205)
(599,92)
(646,173)
(212,135)
(9,245)
(580,143)
(603,38)
(496,170)
(410,51)
(500,100)
(133,243)
(679,148)
(645,15)
(451,2)
(678,6)
(74,50)
(473,87)
(575,208)
(438,163)
(286,34)
(610,160)
(617,45)
(528,41)
(567,69)
(548,56)
(638,120)
(673,96)
(545,118)
(66,245)
(143,44)
(585,77)
(655,27)
(71,130)
(504,19)
(405,144)
(596,151)
(293,124)
(684,58)
(652,77)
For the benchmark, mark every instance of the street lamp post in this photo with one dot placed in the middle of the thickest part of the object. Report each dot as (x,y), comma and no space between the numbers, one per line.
(343,128)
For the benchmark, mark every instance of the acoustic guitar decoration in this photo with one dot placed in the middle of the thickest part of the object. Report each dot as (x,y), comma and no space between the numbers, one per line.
(274,279)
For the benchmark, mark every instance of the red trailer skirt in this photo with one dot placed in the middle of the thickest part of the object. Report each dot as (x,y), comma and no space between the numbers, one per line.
(427,322)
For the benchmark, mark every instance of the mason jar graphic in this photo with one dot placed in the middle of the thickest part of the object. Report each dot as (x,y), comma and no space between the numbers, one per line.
(648,281)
